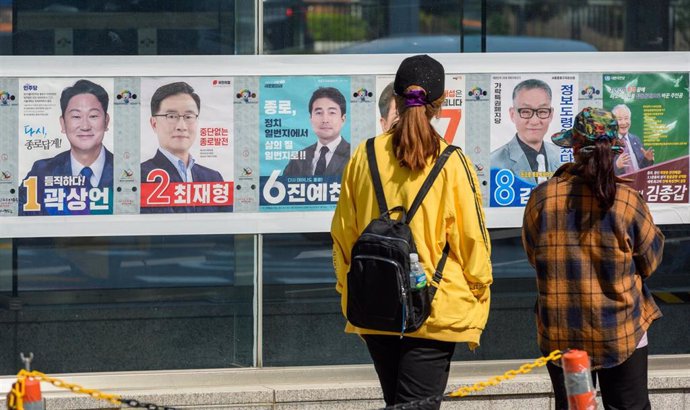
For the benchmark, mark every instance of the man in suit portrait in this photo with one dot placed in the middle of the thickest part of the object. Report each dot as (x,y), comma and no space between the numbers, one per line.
(175,109)
(527,153)
(387,108)
(634,157)
(84,120)
(331,152)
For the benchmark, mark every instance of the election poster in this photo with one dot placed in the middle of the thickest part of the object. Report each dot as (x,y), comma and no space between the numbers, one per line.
(526,110)
(186,145)
(449,123)
(652,114)
(65,158)
(304,141)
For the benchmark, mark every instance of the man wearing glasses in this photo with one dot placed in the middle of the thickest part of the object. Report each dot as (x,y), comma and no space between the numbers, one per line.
(527,155)
(175,111)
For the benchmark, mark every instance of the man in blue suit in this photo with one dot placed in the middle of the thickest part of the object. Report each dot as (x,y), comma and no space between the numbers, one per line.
(175,111)
(84,121)
(634,156)
(327,109)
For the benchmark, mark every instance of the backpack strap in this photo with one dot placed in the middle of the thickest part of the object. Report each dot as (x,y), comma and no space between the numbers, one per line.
(429,181)
(376,177)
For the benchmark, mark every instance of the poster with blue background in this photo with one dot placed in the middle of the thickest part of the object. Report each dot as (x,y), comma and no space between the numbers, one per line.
(304,132)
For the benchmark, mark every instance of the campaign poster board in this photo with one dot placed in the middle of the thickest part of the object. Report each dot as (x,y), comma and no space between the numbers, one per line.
(514,174)
(65,159)
(289,136)
(187,161)
(653,108)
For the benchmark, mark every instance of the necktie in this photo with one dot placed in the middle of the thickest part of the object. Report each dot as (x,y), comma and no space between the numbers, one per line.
(87,173)
(630,167)
(321,163)
(541,167)
(633,158)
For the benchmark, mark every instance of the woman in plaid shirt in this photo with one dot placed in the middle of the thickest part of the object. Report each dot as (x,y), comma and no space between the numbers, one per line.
(593,243)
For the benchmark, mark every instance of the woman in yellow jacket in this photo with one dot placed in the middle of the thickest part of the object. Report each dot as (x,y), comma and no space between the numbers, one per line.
(416,366)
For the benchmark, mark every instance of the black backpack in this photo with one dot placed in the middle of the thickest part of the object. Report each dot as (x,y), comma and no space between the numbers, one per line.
(379,294)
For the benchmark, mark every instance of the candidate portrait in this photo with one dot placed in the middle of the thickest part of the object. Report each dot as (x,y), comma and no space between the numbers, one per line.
(634,156)
(175,110)
(526,153)
(329,155)
(84,120)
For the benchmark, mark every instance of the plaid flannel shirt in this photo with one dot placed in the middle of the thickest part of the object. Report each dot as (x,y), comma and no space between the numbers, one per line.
(591,266)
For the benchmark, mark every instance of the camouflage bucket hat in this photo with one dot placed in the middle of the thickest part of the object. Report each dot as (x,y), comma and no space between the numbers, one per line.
(591,125)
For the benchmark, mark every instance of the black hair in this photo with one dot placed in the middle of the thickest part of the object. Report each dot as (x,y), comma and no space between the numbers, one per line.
(596,167)
(332,94)
(84,87)
(165,91)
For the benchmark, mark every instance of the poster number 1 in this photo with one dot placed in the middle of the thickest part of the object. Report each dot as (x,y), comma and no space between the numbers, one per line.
(31,185)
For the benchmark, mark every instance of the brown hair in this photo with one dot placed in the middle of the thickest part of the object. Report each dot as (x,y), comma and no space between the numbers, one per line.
(596,167)
(414,139)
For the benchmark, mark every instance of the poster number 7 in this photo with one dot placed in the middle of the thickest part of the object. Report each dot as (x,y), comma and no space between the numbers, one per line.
(451,130)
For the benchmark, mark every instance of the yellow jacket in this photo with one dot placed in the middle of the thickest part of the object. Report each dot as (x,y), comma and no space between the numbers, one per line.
(451,211)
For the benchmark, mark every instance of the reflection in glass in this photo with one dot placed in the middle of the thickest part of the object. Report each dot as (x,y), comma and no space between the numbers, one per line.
(132,303)
(158,27)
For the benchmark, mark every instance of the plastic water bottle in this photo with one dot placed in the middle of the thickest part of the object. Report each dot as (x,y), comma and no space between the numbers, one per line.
(417,275)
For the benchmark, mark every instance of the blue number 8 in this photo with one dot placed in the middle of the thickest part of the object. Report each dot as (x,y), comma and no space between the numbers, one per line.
(504,194)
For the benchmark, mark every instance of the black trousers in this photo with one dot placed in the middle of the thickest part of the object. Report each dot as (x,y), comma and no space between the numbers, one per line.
(623,387)
(410,369)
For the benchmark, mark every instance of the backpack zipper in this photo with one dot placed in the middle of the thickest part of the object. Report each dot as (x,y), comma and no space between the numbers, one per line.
(385,237)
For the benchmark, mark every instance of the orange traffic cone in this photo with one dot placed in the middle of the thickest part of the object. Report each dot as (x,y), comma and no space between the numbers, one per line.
(32,395)
(578,380)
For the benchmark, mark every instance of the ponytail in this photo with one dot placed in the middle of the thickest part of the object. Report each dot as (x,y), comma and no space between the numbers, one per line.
(596,166)
(414,138)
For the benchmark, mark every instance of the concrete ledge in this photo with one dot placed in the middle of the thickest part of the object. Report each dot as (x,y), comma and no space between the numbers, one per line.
(334,387)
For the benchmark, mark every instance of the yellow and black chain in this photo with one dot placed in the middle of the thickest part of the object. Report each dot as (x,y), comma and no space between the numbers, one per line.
(479,386)
(15,399)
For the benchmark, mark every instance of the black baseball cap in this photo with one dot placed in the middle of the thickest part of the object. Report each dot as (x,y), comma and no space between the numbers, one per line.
(423,71)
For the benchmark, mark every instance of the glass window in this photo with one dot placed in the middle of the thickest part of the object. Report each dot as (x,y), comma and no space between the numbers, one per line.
(615,25)
(186,27)
(130,303)
(302,321)
(451,26)
(302,311)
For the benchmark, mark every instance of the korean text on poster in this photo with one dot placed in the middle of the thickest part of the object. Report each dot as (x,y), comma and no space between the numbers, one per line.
(652,114)
(305,141)
(525,111)
(65,146)
(186,145)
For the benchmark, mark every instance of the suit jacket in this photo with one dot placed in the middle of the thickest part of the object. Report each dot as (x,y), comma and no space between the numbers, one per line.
(61,165)
(511,156)
(302,167)
(200,173)
(635,148)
